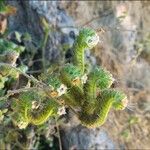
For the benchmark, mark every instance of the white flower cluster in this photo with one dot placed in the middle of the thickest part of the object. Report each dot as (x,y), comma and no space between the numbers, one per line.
(84,78)
(62,90)
(61,111)
(35,105)
(92,41)
(22,125)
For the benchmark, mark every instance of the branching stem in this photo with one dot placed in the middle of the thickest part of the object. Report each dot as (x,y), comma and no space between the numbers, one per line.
(12,92)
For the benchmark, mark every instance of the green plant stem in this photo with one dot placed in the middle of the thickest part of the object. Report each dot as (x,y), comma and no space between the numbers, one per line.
(30,77)
(79,57)
(12,92)
(41,85)
(43,48)
(58,131)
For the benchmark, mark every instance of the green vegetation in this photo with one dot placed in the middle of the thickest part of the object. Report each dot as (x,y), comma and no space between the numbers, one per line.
(78,87)
(85,90)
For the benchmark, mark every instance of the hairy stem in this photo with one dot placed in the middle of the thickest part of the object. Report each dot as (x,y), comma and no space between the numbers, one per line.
(101,108)
(39,117)
(75,94)
(78,58)
(98,78)
(98,117)
(12,92)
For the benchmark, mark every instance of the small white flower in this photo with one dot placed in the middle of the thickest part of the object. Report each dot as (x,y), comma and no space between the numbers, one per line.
(92,41)
(52,88)
(113,79)
(35,105)
(84,78)
(22,125)
(61,111)
(62,90)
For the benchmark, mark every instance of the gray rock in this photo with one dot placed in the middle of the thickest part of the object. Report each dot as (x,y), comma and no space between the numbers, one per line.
(82,138)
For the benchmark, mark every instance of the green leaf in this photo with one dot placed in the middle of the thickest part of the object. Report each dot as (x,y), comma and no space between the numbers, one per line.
(6,45)
(27,37)
(23,68)
(18,36)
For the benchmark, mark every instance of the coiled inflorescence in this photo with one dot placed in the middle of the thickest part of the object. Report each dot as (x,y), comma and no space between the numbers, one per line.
(87,89)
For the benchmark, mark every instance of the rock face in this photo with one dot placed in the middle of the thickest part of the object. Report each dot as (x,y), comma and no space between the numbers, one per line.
(124,26)
(81,138)
(28,19)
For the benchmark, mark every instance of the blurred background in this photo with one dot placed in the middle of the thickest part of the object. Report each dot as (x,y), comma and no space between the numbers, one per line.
(124,50)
